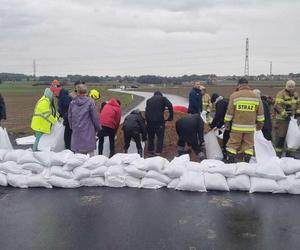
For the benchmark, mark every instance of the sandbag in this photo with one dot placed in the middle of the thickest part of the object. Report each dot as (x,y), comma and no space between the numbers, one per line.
(2,153)
(156,163)
(239,182)
(158,176)
(246,169)
(264,149)
(133,182)
(115,170)
(3,179)
(294,185)
(134,171)
(212,147)
(196,166)
(92,182)
(192,181)
(44,158)
(122,158)
(27,157)
(289,165)
(270,169)
(173,184)
(263,185)
(60,172)
(13,155)
(151,183)
(56,181)
(227,170)
(35,168)
(115,180)
(80,173)
(4,139)
(210,163)
(61,158)
(95,162)
(177,166)
(98,172)
(297,175)
(37,181)
(17,180)
(293,134)
(11,167)
(53,141)
(76,161)
(215,181)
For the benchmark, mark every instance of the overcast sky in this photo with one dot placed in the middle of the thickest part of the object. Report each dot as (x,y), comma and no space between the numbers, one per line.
(134,37)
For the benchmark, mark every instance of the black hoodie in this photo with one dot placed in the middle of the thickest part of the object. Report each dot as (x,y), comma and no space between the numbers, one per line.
(135,123)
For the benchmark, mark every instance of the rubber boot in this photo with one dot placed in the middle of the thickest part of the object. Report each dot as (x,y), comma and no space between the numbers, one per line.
(230,157)
(140,152)
(247,158)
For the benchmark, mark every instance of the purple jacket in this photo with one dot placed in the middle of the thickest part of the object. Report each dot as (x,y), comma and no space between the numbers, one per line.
(83,120)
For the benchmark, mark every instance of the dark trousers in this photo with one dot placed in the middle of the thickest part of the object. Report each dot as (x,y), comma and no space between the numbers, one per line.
(226,136)
(128,135)
(110,132)
(67,136)
(158,130)
(193,143)
(267,134)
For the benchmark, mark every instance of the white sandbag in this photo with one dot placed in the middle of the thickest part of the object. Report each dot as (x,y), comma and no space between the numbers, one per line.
(115,170)
(297,175)
(36,168)
(46,173)
(98,172)
(3,179)
(196,167)
(270,169)
(158,176)
(239,182)
(263,185)
(76,161)
(17,180)
(11,167)
(95,162)
(173,184)
(44,158)
(289,165)
(92,182)
(122,158)
(134,171)
(215,181)
(181,159)
(264,149)
(61,158)
(2,153)
(133,182)
(227,170)
(13,155)
(56,181)
(27,157)
(53,141)
(293,135)
(115,180)
(294,185)
(60,172)
(139,163)
(192,181)
(246,168)
(284,184)
(4,139)
(151,183)
(156,163)
(175,170)
(212,147)
(210,163)
(80,173)
(37,181)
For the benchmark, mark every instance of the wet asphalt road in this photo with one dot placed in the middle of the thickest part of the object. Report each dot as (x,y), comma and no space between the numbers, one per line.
(128,218)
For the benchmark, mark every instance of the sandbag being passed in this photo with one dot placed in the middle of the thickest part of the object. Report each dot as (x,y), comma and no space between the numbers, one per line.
(212,147)
(293,135)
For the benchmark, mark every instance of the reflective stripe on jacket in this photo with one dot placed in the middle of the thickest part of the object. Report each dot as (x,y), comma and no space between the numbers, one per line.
(43,118)
(283,100)
(245,111)
(206,102)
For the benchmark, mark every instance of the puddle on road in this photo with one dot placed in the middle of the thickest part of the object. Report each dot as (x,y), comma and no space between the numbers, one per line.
(221,202)
(90,200)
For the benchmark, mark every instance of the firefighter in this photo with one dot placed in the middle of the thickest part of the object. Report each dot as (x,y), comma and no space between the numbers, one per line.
(206,103)
(286,106)
(245,113)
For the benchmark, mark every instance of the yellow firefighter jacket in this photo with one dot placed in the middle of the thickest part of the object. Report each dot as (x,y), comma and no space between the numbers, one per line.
(245,111)
(285,100)
(43,118)
(206,102)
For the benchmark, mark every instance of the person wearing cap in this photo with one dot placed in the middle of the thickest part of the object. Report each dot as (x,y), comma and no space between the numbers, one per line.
(43,117)
(55,88)
(218,121)
(190,131)
(155,109)
(286,106)
(195,99)
(94,94)
(244,116)
(83,120)
(267,128)
(2,109)
(134,127)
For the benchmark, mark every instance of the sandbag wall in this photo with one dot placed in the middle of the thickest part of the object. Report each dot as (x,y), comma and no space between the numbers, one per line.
(24,168)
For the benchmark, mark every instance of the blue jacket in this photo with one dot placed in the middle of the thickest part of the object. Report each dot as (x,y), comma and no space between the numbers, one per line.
(195,101)
(64,100)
